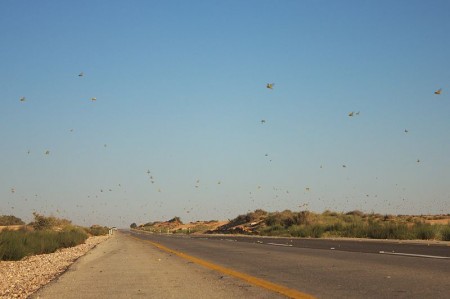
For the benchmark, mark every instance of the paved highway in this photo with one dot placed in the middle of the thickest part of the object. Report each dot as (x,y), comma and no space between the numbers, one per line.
(123,267)
(324,268)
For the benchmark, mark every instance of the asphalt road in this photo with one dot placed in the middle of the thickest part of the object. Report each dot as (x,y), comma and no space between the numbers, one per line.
(326,268)
(431,248)
(124,267)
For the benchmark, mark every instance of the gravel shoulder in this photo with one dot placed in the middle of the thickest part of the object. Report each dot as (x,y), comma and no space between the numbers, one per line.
(19,279)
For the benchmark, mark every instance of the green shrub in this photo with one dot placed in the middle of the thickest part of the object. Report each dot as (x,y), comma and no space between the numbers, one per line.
(388,230)
(71,237)
(39,242)
(11,245)
(332,229)
(425,231)
(288,218)
(307,231)
(14,245)
(97,230)
(275,230)
(317,230)
(445,232)
(42,222)
(354,230)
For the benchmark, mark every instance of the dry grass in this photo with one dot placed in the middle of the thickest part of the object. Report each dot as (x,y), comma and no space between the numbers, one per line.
(439,221)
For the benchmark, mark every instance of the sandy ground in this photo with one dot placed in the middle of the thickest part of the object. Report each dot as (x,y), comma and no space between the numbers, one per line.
(438,221)
(11,227)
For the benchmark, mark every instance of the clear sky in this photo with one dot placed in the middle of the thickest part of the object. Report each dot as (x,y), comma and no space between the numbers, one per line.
(180,90)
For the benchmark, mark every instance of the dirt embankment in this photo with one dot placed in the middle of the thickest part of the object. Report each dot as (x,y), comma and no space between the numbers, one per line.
(12,227)
(178,226)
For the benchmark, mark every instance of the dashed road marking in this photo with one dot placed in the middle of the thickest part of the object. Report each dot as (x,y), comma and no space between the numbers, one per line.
(415,255)
(278,244)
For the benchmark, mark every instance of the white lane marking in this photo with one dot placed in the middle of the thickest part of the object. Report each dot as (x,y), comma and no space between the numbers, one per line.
(415,255)
(277,244)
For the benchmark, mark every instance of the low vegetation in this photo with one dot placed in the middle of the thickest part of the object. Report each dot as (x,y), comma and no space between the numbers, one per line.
(46,223)
(10,220)
(14,245)
(354,224)
(306,224)
(97,230)
(44,235)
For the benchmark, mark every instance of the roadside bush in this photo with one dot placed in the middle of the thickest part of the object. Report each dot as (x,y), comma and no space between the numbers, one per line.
(97,230)
(256,215)
(388,230)
(335,228)
(330,213)
(274,230)
(316,230)
(307,231)
(272,220)
(71,237)
(11,245)
(14,245)
(10,220)
(288,218)
(42,222)
(425,231)
(176,220)
(354,230)
(445,233)
(303,217)
(39,242)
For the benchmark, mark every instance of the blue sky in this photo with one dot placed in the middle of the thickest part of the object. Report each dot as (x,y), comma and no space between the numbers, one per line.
(181,91)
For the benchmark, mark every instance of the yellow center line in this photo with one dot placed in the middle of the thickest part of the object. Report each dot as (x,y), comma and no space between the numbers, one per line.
(248,278)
